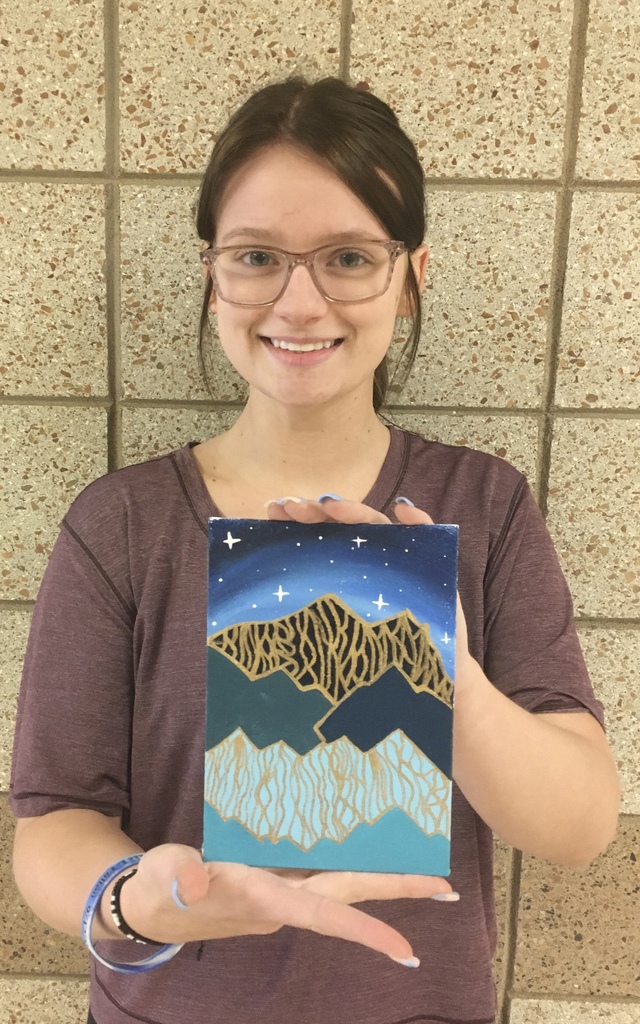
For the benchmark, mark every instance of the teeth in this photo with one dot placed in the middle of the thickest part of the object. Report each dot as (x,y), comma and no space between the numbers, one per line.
(292,347)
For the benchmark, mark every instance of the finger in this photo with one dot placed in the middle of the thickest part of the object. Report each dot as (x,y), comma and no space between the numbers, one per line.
(274,899)
(283,509)
(358,887)
(409,515)
(191,883)
(352,512)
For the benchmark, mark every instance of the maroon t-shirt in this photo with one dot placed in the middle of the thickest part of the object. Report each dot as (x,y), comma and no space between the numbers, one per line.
(111,718)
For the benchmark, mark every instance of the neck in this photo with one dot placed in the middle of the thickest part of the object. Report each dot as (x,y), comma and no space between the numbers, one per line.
(304,451)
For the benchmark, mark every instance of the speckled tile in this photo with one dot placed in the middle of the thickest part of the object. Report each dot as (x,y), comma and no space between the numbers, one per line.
(599,359)
(481,88)
(193,71)
(578,931)
(53,328)
(162,292)
(14,630)
(609,141)
(514,438)
(149,432)
(613,659)
(52,85)
(28,945)
(501,878)
(30,1001)
(486,300)
(49,455)
(594,493)
(549,1011)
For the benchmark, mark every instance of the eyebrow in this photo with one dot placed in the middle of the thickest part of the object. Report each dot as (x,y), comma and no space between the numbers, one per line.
(265,235)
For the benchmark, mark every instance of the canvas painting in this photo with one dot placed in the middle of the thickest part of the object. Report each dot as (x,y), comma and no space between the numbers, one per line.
(329,722)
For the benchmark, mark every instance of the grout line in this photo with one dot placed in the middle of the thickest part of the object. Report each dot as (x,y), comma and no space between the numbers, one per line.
(9,976)
(112,232)
(71,401)
(561,997)
(511,934)
(561,241)
(593,622)
(20,604)
(346,15)
(156,179)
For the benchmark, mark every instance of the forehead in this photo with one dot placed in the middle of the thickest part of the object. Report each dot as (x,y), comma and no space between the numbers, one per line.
(290,194)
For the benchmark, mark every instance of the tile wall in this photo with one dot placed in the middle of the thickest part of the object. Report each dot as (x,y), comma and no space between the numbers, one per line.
(527,119)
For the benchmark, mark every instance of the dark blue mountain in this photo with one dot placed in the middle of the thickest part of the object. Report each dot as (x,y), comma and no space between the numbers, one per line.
(371,713)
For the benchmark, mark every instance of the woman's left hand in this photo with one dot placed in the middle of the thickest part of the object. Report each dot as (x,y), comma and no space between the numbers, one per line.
(342,510)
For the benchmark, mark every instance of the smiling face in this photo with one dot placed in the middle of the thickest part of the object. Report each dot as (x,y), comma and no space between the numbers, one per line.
(285,198)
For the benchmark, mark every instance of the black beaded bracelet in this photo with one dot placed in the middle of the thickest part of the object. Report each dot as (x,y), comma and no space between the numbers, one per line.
(116,912)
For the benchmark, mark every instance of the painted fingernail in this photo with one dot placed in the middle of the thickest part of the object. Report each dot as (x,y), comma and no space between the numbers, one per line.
(325,497)
(411,962)
(447,897)
(404,501)
(176,899)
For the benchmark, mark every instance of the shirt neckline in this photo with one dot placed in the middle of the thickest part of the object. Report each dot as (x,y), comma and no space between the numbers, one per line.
(381,496)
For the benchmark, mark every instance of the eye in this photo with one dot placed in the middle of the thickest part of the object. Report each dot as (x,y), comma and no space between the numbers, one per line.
(254,257)
(350,259)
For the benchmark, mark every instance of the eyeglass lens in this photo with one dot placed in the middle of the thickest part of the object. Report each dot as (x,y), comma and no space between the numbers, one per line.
(345,273)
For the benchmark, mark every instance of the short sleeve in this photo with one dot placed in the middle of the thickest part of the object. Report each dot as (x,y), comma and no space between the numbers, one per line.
(532,652)
(72,740)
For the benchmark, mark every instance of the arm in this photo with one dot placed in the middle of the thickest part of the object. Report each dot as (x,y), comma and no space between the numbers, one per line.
(547,783)
(58,857)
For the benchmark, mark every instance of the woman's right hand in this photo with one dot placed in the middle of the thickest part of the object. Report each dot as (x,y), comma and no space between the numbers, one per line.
(225,899)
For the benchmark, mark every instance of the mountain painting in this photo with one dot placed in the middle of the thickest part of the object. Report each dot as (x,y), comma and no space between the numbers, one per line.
(330,667)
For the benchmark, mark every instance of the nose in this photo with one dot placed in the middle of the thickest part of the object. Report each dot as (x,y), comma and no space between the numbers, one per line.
(301,298)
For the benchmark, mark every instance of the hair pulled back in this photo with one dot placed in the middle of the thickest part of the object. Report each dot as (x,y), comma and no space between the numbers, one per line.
(355,133)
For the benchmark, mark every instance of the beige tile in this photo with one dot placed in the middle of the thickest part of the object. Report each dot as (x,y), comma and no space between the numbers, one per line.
(593,512)
(502,855)
(50,455)
(549,1011)
(481,88)
(514,438)
(28,945)
(486,299)
(14,629)
(613,659)
(578,931)
(54,328)
(30,1001)
(179,88)
(609,142)
(148,432)
(162,292)
(599,360)
(52,85)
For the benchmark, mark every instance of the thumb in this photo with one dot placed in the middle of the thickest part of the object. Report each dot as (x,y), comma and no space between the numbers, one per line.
(191,882)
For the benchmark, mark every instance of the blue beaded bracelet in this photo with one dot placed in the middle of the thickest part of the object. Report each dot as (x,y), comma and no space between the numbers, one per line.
(160,956)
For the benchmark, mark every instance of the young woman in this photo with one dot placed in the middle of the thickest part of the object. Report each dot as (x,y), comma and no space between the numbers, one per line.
(312,219)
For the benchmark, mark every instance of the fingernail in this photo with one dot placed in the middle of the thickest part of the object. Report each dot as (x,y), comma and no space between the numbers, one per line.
(281,501)
(404,501)
(447,897)
(176,899)
(411,962)
(325,497)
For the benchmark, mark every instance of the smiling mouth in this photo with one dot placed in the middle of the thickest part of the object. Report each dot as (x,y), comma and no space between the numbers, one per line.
(291,346)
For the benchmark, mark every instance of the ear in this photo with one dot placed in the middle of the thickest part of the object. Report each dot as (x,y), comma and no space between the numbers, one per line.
(213,297)
(419,260)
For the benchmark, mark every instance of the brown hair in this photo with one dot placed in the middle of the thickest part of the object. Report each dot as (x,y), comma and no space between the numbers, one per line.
(359,136)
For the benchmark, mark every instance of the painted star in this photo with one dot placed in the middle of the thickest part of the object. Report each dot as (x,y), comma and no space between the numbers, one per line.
(280,593)
(380,604)
(231,540)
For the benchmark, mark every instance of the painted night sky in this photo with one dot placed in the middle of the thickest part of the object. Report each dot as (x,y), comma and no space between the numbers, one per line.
(262,570)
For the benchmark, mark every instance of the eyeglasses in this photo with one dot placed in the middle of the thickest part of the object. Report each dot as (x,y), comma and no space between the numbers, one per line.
(249,275)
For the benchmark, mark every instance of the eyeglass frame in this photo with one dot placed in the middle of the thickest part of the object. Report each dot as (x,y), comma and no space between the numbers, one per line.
(302,259)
